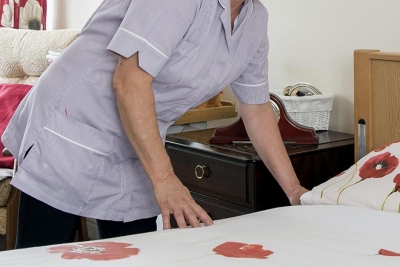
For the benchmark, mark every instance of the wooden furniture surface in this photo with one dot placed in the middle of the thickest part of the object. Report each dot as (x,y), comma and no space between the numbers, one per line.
(290,130)
(227,110)
(376,97)
(12,217)
(230,179)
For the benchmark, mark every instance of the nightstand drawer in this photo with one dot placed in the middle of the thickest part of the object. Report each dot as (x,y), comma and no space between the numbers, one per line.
(219,209)
(216,209)
(222,178)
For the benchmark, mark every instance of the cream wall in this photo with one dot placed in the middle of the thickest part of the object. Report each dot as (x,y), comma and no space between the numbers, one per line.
(310,41)
(313,41)
(70,14)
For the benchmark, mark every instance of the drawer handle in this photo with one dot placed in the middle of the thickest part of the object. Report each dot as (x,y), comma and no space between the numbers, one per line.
(202,171)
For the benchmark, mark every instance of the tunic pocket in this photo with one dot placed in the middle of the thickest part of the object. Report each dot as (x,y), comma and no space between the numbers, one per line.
(67,158)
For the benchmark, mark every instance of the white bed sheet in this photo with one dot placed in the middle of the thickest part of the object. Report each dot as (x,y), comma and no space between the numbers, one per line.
(297,236)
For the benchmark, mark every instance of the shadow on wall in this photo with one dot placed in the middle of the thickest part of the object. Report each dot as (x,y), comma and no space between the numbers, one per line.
(342,107)
(56,15)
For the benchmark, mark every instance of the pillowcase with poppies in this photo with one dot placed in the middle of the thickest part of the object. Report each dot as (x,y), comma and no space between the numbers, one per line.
(372,182)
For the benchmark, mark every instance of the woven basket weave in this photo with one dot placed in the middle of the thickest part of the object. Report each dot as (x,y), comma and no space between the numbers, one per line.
(312,111)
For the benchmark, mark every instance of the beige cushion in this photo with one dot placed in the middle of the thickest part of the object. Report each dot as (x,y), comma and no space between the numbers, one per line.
(23,52)
(3,220)
(5,189)
(31,80)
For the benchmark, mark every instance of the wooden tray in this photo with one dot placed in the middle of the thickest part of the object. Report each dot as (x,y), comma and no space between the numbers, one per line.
(208,114)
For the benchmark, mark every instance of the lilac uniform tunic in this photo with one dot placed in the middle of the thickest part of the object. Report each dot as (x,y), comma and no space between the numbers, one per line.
(80,160)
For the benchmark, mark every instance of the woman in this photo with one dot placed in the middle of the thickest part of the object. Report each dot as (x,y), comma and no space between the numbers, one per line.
(89,137)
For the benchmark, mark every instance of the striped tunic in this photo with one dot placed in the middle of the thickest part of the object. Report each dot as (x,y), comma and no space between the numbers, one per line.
(80,160)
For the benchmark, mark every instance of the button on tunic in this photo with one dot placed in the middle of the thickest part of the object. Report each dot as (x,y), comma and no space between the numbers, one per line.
(67,134)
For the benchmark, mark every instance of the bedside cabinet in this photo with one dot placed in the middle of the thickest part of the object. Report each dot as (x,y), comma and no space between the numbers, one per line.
(230,179)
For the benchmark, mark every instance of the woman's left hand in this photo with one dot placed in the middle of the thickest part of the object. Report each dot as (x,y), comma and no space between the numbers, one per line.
(298,191)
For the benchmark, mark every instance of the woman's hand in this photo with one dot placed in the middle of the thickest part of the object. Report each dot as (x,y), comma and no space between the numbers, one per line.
(298,191)
(136,106)
(174,198)
(263,130)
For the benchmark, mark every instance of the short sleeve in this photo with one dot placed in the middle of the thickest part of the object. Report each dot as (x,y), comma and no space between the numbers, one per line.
(153,28)
(251,87)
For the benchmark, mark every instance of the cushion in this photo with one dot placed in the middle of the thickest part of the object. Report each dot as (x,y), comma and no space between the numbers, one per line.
(372,182)
(5,190)
(10,96)
(3,221)
(23,52)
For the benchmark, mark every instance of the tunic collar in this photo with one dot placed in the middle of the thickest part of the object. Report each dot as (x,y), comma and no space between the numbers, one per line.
(225,17)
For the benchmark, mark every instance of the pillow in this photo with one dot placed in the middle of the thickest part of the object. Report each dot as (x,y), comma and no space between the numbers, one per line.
(5,190)
(3,221)
(373,182)
(10,97)
(23,52)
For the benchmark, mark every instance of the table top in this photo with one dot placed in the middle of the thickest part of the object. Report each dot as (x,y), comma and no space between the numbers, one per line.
(199,140)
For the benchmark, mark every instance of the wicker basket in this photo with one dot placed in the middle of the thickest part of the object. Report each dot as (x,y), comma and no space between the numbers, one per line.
(312,111)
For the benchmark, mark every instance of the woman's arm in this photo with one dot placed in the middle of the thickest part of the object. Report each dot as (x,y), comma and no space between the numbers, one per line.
(137,110)
(262,128)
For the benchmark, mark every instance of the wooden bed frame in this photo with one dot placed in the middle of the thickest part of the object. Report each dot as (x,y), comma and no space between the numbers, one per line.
(376,99)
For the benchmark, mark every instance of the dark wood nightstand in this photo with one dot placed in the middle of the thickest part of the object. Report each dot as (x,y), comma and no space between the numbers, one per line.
(230,179)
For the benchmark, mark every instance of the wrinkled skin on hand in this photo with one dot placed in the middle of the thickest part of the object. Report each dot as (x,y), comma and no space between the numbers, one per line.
(174,198)
(298,191)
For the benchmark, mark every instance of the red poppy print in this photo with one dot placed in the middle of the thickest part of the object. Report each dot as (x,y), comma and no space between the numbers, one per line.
(379,149)
(96,251)
(396,181)
(386,252)
(242,250)
(396,188)
(379,166)
(375,167)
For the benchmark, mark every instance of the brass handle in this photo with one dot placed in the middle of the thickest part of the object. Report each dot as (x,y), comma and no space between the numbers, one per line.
(201,171)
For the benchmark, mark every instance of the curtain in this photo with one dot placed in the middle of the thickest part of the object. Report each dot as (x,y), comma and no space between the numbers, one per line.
(23,14)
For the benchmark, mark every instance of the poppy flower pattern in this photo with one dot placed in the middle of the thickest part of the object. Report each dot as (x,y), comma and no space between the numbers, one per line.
(340,174)
(31,16)
(242,250)
(96,251)
(396,180)
(23,14)
(379,166)
(372,182)
(375,167)
(7,17)
(396,188)
(385,252)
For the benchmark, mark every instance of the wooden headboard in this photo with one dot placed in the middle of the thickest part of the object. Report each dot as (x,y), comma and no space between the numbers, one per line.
(376,99)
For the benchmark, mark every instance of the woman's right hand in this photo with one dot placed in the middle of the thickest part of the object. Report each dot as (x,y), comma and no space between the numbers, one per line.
(174,198)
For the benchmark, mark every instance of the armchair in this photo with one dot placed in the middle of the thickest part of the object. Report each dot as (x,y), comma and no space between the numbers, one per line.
(22,61)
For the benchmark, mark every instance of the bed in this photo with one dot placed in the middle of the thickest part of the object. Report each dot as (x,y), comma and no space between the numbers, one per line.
(288,236)
(350,220)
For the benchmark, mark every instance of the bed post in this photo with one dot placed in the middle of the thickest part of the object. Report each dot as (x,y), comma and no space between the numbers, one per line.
(376,98)
(362,97)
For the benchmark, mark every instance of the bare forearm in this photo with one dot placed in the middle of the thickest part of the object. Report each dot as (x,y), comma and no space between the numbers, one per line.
(142,130)
(263,131)
(137,111)
(136,106)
